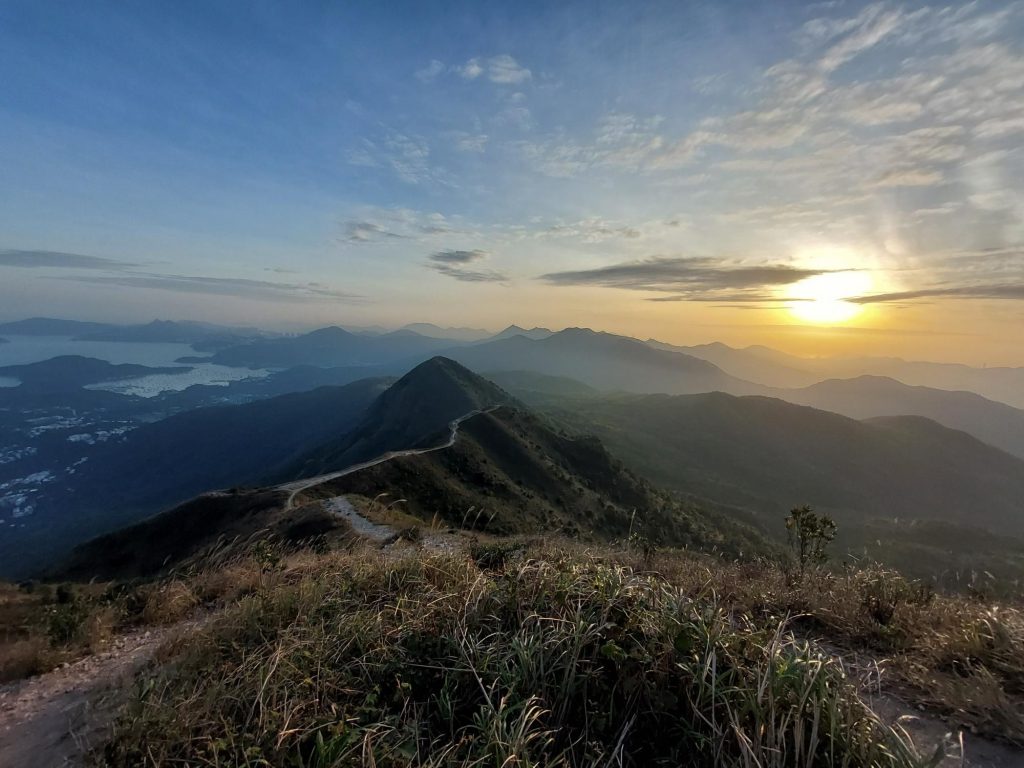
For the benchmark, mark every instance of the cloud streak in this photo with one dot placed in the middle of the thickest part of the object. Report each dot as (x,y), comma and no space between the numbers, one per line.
(695,278)
(1011,292)
(501,69)
(453,263)
(28,259)
(223,286)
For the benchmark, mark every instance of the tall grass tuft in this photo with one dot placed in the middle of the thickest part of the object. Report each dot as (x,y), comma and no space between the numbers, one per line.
(560,661)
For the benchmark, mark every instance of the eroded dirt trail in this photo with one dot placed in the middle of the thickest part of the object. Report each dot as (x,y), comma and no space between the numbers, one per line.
(298,486)
(51,720)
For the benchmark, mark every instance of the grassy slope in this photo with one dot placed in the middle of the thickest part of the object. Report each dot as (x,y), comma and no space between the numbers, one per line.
(558,660)
(509,472)
(193,529)
(561,656)
(767,455)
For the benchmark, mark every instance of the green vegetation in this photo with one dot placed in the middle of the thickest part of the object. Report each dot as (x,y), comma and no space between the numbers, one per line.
(511,472)
(513,652)
(809,535)
(549,657)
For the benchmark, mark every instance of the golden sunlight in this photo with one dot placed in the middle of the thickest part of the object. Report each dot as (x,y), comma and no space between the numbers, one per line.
(824,298)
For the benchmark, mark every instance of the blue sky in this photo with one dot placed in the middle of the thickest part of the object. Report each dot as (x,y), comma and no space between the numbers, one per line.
(681,170)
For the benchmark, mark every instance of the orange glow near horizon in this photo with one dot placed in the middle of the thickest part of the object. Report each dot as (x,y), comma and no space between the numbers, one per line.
(824,299)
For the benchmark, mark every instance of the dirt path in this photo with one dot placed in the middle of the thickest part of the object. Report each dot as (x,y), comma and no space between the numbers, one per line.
(928,731)
(343,508)
(298,486)
(51,720)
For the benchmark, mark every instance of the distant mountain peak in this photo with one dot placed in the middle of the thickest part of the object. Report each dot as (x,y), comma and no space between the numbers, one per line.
(413,411)
(330,332)
(514,330)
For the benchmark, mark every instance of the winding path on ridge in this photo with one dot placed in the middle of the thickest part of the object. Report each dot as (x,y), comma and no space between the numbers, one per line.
(298,486)
(50,720)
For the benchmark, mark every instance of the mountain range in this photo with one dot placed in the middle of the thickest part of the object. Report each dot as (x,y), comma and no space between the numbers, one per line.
(601,360)
(329,347)
(766,455)
(754,455)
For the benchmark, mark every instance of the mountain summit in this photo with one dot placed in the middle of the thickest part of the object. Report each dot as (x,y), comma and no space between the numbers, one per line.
(411,413)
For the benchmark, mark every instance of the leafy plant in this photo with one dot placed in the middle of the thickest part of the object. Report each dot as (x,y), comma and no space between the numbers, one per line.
(809,534)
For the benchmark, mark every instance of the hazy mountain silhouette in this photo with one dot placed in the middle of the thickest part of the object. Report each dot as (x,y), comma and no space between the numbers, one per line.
(515,330)
(51,326)
(455,334)
(778,369)
(329,347)
(200,335)
(602,360)
(865,397)
(755,364)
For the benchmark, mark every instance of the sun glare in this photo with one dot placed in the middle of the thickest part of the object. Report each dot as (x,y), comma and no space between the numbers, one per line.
(824,298)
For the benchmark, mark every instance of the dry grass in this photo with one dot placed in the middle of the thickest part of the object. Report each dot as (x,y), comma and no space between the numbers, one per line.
(957,655)
(548,658)
(27,657)
(169,602)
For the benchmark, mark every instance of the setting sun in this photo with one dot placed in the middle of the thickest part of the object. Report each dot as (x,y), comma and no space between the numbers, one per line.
(825,298)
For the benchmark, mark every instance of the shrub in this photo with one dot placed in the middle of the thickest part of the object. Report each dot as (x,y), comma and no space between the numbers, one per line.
(65,622)
(168,603)
(809,535)
(24,658)
(494,556)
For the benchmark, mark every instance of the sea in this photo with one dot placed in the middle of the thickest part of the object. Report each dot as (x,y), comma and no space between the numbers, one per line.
(32,349)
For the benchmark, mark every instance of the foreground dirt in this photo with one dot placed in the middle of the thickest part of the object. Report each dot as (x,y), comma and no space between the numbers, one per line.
(52,720)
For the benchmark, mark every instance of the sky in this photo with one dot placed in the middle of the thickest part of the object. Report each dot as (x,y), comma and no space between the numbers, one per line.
(824,178)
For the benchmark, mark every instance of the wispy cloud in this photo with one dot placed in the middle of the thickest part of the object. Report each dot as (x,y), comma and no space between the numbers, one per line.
(407,156)
(223,286)
(453,263)
(458,257)
(1011,292)
(28,259)
(501,69)
(370,225)
(359,231)
(696,278)
(430,71)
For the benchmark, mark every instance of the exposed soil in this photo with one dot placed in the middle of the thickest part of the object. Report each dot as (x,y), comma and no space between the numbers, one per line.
(52,720)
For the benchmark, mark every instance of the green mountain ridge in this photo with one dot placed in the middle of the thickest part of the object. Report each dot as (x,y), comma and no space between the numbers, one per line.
(766,455)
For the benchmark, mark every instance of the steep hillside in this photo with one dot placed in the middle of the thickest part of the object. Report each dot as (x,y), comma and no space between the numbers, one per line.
(767,455)
(172,460)
(865,397)
(509,472)
(602,360)
(411,413)
(218,521)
